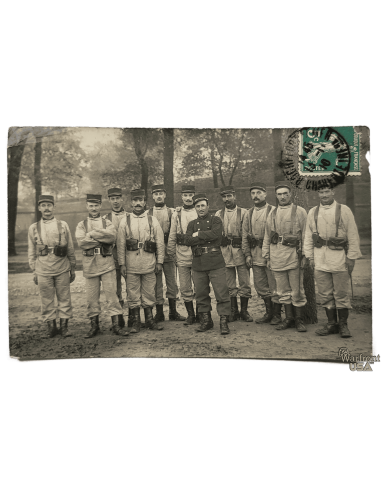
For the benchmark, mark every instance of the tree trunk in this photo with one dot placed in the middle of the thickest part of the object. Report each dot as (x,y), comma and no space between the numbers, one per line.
(14,155)
(300,198)
(37,177)
(140,136)
(168,166)
(214,170)
(144,179)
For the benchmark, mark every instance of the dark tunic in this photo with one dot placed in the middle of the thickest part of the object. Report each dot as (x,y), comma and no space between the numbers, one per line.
(209,234)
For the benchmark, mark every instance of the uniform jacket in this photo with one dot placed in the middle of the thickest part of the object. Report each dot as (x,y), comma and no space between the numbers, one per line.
(258,225)
(115,218)
(140,261)
(328,260)
(283,257)
(162,215)
(96,265)
(179,225)
(209,234)
(51,264)
(233,256)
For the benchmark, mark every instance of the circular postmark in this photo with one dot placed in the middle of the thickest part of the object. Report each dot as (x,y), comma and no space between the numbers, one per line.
(312,157)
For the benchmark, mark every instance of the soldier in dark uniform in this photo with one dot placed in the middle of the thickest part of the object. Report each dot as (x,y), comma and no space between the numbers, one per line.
(204,235)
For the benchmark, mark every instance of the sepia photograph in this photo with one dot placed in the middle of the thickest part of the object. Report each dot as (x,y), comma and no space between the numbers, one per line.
(196,243)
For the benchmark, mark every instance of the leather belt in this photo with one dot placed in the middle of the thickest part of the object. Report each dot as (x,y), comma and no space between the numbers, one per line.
(208,249)
(49,248)
(96,251)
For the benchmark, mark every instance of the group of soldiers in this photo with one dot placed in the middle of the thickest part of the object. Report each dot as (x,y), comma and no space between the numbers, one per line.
(204,249)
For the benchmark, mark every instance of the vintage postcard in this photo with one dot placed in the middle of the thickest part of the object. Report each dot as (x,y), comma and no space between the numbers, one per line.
(218,243)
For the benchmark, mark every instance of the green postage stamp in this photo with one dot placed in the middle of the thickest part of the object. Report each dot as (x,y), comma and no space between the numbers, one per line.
(325,150)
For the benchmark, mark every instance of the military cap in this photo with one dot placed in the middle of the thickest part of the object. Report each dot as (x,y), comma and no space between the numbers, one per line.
(114,192)
(282,184)
(227,190)
(46,198)
(93,198)
(138,193)
(199,197)
(258,186)
(157,188)
(188,189)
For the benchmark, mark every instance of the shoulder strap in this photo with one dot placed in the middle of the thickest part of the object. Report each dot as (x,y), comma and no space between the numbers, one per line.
(274,217)
(59,227)
(150,225)
(337,217)
(316,215)
(86,224)
(39,230)
(269,208)
(239,214)
(222,217)
(251,211)
(293,215)
(109,216)
(150,212)
(129,225)
(104,225)
(179,221)
(169,217)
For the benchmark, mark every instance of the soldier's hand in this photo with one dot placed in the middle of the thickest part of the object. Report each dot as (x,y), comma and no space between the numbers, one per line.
(35,279)
(303,263)
(195,234)
(268,264)
(249,262)
(158,268)
(123,271)
(350,265)
(72,276)
(312,264)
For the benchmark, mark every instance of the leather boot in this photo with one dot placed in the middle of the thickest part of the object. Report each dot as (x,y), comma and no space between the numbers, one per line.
(224,328)
(234,316)
(94,330)
(63,330)
(51,328)
(173,314)
(268,316)
(150,322)
(277,313)
(117,325)
(136,323)
(206,322)
(343,323)
(191,316)
(121,317)
(299,319)
(130,321)
(289,321)
(159,316)
(211,324)
(245,316)
(198,319)
(332,326)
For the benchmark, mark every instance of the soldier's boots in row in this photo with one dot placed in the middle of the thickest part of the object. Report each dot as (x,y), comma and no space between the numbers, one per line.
(294,318)
(272,314)
(332,326)
(343,323)
(234,311)
(150,322)
(236,314)
(207,323)
(192,317)
(53,330)
(94,330)
(173,314)
(245,315)
(118,325)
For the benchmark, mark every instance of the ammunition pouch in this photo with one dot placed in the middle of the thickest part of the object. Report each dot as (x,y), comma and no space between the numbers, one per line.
(149,246)
(254,242)
(132,245)
(225,241)
(290,240)
(197,251)
(60,251)
(318,241)
(180,239)
(166,237)
(44,251)
(274,237)
(337,243)
(106,249)
(237,242)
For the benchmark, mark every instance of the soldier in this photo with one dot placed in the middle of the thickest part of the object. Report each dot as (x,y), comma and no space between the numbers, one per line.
(51,257)
(232,218)
(115,198)
(164,217)
(332,245)
(253,232)
(96,236)
(182,253)
(282,248)
(204,235)
(140,246)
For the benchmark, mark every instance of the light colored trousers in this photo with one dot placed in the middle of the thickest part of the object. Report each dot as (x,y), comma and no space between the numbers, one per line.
(243,274)
(264,283)
(289,286)
(141,290)
(186,283)
(93,291)
(49,287)
(169,269)
(333,289)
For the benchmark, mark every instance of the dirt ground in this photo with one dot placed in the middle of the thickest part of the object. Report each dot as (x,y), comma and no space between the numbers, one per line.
(246,340)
